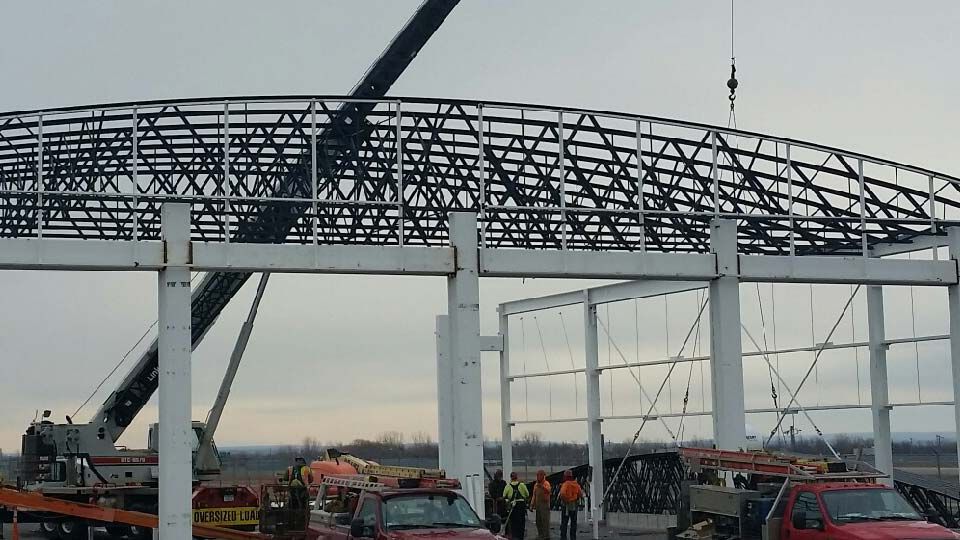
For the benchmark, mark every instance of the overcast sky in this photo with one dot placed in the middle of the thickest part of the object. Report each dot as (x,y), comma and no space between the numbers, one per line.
(343,357)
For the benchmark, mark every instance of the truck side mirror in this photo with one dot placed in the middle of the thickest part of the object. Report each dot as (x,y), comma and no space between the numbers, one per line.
(799,519)
(357,528)
(494,523)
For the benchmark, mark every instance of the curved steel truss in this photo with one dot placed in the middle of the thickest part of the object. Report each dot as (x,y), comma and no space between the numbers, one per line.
(304,169)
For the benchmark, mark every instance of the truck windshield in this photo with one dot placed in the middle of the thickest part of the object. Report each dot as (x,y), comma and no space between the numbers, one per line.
(426,511)
(849,505)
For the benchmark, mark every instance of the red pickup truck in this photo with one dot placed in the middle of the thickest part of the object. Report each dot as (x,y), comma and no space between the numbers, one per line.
(850,511)
(399,514)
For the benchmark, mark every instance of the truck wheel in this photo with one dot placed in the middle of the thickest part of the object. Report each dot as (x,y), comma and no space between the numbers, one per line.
(72,530)
(117,531)
(49,529)
(140,533)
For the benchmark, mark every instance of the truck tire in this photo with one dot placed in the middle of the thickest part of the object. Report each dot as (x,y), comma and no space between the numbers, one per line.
(117,531)
(140,533)
(72,530)
(49,530)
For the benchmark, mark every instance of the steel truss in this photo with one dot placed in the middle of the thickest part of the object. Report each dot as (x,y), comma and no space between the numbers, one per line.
(388,172)
(649,483)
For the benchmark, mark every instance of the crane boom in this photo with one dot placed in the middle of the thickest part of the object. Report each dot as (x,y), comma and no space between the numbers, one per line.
(213,417)
(217,288)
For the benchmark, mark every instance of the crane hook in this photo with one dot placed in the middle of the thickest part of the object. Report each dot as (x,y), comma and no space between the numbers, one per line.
(732,83)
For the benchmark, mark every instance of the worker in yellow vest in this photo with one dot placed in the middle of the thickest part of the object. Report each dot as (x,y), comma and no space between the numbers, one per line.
(517,495)
(299,476)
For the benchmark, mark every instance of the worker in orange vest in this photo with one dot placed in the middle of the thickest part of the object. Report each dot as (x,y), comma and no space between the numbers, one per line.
(570,496)
(540,503)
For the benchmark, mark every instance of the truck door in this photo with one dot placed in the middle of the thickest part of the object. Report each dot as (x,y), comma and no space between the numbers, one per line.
(806,520)
(368,512)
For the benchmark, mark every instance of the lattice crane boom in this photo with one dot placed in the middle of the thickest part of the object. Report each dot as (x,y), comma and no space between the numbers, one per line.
(217,289)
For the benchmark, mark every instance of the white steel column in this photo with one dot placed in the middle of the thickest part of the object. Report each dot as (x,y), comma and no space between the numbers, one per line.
(174,346)
(445,410)
(879,395)
(953,300)
(594,441)
(726,361)
(463,298)
(506,430)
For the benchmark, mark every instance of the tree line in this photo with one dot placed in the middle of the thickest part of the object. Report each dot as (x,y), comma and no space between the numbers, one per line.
(530,447)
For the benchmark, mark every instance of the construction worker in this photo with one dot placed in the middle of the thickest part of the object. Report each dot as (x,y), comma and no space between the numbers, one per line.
(299,476)
(496,487)
(540,504)
(570,496)
(516,495)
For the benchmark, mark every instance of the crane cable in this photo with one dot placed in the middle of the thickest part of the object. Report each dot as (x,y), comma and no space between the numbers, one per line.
(653,403)
(686,393)
(576,386)
(732,82)
(122,359)
(793,395)
(816,358)
(546,361)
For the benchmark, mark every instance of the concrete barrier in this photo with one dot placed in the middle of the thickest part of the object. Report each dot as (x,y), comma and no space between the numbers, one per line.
(625,521)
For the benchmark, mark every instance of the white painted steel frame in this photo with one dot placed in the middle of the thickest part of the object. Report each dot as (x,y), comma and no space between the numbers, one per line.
(53,254)
(174,347)
(879,390)
(594,433)
(758,410)
(953,302)
(774,269)
(463,308)
(726,351)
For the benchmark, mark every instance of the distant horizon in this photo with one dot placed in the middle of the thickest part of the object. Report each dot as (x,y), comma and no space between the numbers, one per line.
(901,436)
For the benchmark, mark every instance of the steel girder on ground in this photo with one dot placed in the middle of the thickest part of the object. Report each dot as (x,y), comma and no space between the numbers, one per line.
(648,484)
(540,178)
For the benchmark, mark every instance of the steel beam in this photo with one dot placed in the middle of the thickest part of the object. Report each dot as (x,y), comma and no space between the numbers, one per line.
(726,363)
(879,394)
(506,430)
(594,440)
(526,305)
(175,344)
(463,297)
(234,257)
(615,292)
(491,343)
(826,269)
(593,265)
(920,243)
(953,302)
(55,254)
(679,271)
(759,410)
(445,409)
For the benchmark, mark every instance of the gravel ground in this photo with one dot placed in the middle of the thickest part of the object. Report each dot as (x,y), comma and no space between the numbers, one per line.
(583,533)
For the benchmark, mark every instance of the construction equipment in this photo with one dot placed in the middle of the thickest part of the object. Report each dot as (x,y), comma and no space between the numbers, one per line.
(112,518)
(372,468)
(407,504)
(777,495)
(80,463)
(337,144)
(773,464)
